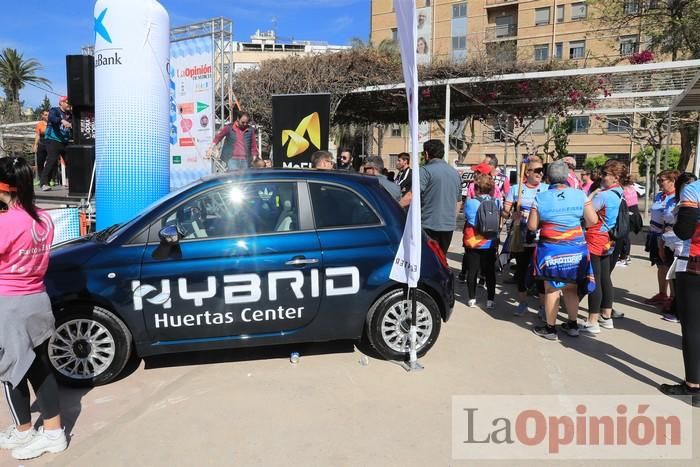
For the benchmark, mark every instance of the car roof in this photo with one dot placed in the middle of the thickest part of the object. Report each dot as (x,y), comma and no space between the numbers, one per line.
(297,174)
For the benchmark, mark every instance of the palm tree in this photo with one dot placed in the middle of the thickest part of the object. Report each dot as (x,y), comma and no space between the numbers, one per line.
(15,73)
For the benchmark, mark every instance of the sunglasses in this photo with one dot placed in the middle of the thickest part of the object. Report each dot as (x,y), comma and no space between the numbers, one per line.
(538,170)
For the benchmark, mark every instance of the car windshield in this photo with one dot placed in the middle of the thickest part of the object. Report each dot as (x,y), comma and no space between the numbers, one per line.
(116,230)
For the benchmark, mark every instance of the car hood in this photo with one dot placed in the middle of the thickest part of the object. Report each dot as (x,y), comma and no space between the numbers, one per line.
(72,254)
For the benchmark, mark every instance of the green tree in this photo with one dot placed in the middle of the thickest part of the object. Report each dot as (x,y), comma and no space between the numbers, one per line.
(15,73)
(646,160)
(45,106)
(594,163)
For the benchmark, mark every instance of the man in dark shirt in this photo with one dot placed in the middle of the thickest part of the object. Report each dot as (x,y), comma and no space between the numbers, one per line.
(403,179)
(58,133)
(240,147)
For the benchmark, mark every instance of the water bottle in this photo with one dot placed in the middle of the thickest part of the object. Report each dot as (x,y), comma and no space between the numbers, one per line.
(294,358)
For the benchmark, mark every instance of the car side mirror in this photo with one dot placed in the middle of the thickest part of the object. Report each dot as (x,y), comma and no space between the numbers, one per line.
(169,235)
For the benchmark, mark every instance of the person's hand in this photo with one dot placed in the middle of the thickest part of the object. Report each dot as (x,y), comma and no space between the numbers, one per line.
(209,153)
(66,124)
(517,216)
(34,148)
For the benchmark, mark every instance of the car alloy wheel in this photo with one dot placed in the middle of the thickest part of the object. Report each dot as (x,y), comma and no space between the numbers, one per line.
(388,324)
(396,324)
(81,349)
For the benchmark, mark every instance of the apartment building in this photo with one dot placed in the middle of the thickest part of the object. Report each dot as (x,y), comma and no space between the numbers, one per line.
(536,30)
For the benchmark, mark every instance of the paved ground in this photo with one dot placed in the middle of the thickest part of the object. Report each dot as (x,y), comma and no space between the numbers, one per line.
(255,408)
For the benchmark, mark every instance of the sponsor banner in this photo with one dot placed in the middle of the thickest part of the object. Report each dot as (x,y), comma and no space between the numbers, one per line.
(66,222)
(424,35)
(300,125)
(132,49)
(406,267)
(191,109)
(558,427)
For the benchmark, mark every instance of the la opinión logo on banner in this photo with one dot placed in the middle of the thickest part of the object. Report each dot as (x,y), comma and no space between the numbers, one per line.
(571,427)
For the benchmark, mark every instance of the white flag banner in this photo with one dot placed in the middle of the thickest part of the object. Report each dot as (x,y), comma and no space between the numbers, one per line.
(406,267)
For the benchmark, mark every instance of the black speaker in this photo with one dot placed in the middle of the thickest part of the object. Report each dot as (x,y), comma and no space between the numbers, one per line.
(80,76)
(80,159)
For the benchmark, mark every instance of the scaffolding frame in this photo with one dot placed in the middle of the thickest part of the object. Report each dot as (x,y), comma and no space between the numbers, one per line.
(221,32)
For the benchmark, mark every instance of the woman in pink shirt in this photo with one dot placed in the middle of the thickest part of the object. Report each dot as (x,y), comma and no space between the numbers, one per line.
(26,319)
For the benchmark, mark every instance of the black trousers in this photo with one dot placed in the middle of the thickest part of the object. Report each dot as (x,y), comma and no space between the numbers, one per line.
(40,158)
(54,150)
(688,297)
(44,385)
(603,295)
(444,238)
(484,261)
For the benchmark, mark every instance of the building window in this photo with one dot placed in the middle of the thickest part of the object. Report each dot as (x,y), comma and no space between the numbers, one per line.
(393,159)
(560,13)
(395,131)
(579,124)
(580,159)
(541,52)
(629,45)
(541,16)
(622,157)
(631,7)
(394,34)
(559,50)
(427,2)
(537,126)
(459,43)
(459,10)
(618,124)
(577,49)
(579,11)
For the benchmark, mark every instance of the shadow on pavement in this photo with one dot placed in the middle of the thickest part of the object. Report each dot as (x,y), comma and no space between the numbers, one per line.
(247,354)
(592,347)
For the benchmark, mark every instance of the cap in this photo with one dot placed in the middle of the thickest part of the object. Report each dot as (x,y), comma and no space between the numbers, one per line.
(482,168)
(63,99)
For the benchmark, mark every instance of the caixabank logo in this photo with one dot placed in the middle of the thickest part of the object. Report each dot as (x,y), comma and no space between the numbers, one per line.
(113,57)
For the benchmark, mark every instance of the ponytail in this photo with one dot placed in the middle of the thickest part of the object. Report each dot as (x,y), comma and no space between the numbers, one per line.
(17,173)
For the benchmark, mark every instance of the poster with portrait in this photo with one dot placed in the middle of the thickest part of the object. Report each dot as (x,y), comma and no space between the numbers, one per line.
(424,35)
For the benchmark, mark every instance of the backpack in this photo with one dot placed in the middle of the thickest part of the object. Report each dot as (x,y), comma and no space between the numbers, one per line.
(488,218)
(622,224)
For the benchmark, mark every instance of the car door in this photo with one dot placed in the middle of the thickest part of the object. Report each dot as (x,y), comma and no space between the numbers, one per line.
(357,255)
(245,267)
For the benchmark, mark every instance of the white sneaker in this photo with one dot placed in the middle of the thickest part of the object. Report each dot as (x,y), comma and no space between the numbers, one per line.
(589,328)
(41,443)
(472,303)
(606,323)
(11,438)
(490,304)
(45,188)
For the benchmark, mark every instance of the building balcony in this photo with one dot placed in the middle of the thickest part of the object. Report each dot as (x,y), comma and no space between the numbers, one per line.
(502,32)
(497,3)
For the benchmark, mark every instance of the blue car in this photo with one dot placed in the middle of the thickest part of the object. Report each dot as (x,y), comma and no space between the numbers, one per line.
(239,260)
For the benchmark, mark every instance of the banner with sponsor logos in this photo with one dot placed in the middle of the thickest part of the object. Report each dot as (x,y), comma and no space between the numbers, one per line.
(191,109)
(132,48)
(300,125)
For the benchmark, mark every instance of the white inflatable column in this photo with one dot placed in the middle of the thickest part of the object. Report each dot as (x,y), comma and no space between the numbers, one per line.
(132,121)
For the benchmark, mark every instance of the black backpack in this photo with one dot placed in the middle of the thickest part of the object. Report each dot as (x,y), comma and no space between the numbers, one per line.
(488,218)
(622,224)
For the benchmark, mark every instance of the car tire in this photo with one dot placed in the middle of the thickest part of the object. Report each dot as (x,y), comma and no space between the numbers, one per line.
(388,323)
(90,346)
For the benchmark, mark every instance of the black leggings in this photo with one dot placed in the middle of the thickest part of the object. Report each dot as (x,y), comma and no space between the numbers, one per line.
(484,260)
(54,150)
(444,238)
(44,385)
(603,295)
(688,297)
(523,261)
(40,158)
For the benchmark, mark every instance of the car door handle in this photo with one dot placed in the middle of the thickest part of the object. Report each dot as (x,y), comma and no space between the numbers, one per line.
(301,261)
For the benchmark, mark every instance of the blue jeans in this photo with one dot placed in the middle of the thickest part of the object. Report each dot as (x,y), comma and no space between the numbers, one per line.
(237,164)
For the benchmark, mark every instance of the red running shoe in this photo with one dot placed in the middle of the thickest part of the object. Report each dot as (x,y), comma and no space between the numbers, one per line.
(657,299)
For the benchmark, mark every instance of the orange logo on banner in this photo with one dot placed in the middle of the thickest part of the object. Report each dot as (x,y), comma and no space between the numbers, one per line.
(186,142)
(186,108)
(311,125)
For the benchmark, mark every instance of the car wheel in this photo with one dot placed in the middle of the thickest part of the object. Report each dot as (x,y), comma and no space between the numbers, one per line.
(90,346)
(388,324)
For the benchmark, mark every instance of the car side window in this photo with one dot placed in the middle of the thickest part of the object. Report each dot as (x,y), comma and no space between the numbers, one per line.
(335,206)
(238,210)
